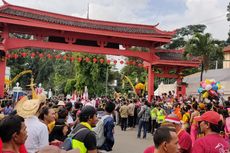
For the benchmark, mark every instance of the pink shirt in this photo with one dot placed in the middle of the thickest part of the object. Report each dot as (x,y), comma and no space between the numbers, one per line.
(150,149)
(211,143)
(185,141)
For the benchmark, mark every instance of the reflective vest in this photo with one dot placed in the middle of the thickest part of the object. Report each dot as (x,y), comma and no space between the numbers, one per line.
(160,116)
(76,144)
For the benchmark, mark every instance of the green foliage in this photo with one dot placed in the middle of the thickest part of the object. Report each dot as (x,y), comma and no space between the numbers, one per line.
(206,47)
(183,34)
(92,75)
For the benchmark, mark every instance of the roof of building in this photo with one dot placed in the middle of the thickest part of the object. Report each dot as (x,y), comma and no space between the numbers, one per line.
(227,49)
(217,74)
(55,18)
(170,56)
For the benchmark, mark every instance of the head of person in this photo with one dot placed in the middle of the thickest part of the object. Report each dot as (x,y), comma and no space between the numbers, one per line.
(69,106)
(109,107)
(210,121)
(62,113)
(29,107)
(13,130)
(165,140)
(195,106)
(47,114)
(88,114)
(174,121)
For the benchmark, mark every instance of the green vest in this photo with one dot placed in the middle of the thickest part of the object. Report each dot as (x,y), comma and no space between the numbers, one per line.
(153,113)
(79,145)
(160,116)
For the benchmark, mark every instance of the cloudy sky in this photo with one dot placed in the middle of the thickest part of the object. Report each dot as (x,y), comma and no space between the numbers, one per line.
(170,14)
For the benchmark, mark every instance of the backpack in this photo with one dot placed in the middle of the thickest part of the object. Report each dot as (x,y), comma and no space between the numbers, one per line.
(67,144)
(99,130)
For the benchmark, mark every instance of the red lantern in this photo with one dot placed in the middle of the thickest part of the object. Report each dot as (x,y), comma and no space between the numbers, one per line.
(115,61)
(58,56)
(15,56)
(108,61)
(101,61)
(71,59)
(41,55)
(79,59)
(127,62)
(122,62)
(94,60)
(8,56)
(32,55)
(134,63)
(87,59)
(23,54)
(64,58)
(140,65)
(49,56)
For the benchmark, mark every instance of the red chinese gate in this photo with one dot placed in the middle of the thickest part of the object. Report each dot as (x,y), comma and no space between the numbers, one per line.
(56,31)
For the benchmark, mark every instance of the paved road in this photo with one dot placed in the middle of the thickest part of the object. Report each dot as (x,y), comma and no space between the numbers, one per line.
(127,142)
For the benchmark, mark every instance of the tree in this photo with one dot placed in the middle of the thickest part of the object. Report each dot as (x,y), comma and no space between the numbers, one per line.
(204,46)
(228,19)
(182,35)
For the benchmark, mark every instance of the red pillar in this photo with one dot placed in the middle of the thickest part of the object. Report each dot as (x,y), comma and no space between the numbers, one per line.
(2,77)
(179,87)
(150,83)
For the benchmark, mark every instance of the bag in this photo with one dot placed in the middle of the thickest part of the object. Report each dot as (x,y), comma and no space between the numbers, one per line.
(67,144)
(99,130)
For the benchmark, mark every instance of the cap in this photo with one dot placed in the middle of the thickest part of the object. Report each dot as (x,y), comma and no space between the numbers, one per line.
(61,103)
(209,116)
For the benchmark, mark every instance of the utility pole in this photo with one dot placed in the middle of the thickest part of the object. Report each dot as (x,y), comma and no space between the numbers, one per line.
(216,64)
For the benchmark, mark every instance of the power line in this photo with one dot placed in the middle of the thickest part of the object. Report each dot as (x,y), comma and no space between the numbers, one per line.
(213,18)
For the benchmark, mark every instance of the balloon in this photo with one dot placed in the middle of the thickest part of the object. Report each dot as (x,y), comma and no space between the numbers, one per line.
(213,93)
(208,87)
(212,81)
(207,81)
(220,91)
(205,95)
(214,87)
(203,85)
(219,86)
(217,82)
(200,90)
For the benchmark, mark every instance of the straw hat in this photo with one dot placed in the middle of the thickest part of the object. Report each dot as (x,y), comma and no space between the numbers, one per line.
(27,108)
(61,103)
(54,149)
(1,116)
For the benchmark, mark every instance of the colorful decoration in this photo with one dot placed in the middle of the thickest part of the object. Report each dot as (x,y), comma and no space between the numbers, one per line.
(210,89)
(41,55)
(101,61)
(94,60)
(23,54)
(32,55)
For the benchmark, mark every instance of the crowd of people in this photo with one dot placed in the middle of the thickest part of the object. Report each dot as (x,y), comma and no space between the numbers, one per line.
(52,125)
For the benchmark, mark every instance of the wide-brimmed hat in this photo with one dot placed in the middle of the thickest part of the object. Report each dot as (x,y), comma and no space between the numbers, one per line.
(1,116)
(27,108)
(61,103)
(54,149)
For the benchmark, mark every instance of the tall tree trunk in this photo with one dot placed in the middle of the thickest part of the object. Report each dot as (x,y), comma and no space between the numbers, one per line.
(201,77)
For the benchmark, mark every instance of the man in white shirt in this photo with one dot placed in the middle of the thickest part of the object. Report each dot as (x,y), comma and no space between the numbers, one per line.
(38,135)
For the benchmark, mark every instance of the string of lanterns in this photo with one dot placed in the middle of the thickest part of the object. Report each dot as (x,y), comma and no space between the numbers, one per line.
(71,58)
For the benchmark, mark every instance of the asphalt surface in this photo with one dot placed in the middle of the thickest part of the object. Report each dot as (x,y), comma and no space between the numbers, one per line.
(127,141)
